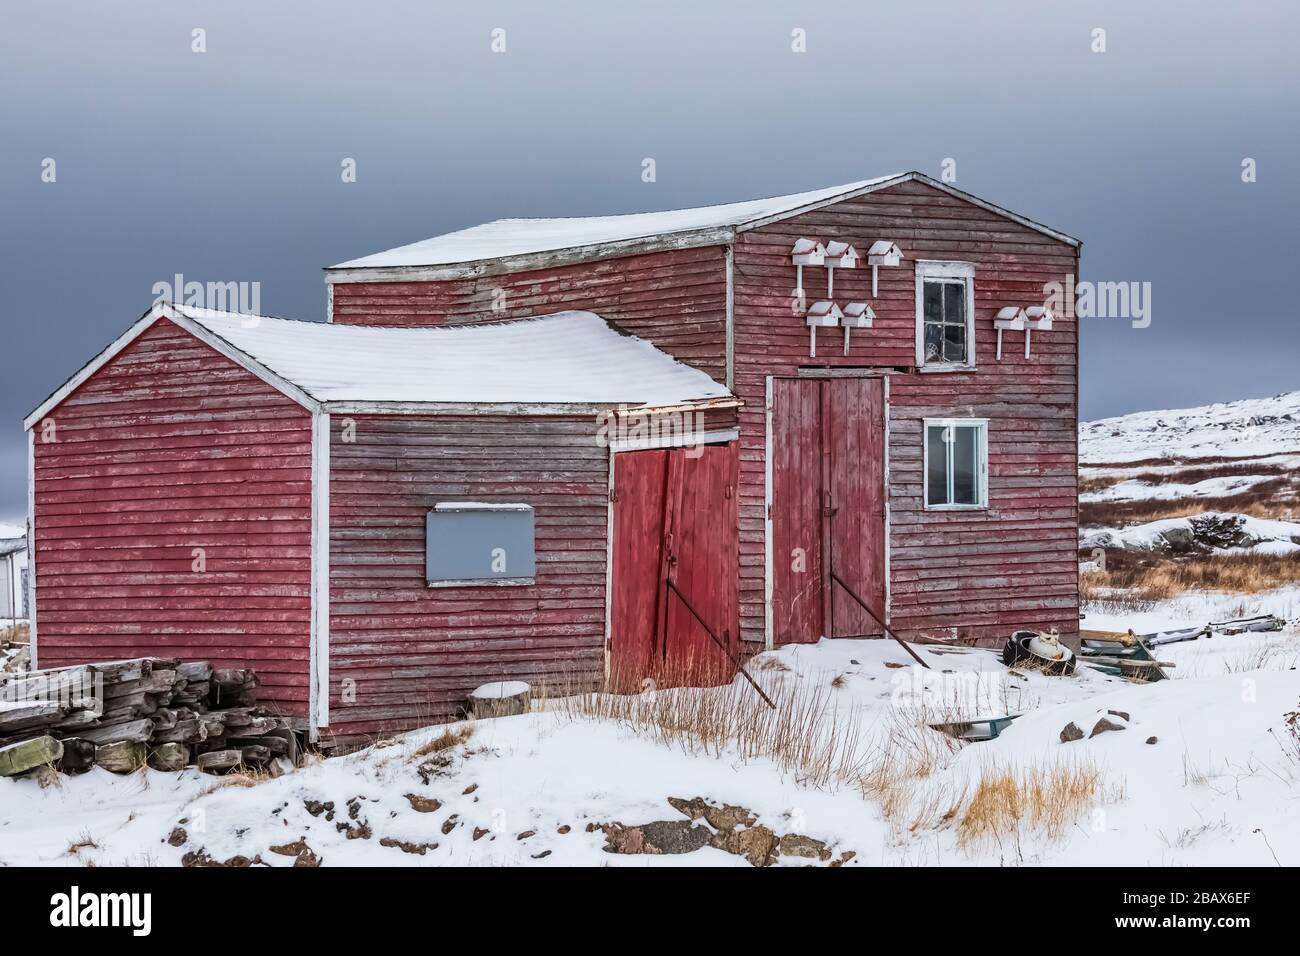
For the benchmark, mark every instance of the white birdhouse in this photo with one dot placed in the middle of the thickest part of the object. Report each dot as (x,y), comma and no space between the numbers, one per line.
(839,255)
(1039,318)
(806,252)
(1012,318)
(824,313)
(882,253)
(857,315)
(821,314)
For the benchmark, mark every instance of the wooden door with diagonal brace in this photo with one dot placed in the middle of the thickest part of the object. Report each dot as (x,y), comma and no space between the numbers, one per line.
(674,608)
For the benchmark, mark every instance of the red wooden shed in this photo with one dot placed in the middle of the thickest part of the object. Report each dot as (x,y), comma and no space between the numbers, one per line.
(460,478)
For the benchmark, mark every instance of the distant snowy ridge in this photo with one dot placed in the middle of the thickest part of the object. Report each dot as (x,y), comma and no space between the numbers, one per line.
(1242,429)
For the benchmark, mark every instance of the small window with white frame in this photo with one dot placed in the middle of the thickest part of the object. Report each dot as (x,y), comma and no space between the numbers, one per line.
(956,463)
(945,315)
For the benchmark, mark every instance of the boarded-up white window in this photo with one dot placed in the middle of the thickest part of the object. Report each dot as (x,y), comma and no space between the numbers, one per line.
(468,543)
(956,463)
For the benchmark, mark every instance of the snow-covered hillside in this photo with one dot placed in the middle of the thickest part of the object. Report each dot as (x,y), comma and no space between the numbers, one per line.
(1249,428)
(1144,476)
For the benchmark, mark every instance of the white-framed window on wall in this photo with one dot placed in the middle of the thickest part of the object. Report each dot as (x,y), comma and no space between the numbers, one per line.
(956,463)
(945,315)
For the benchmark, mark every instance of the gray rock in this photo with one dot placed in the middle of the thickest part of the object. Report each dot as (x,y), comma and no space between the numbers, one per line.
(658,837)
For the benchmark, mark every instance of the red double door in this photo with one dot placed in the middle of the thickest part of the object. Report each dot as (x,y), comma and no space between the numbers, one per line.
(675,567)
(827,508)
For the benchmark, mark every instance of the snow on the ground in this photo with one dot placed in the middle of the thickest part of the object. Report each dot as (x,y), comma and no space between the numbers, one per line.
(1248,428)
(1136,490)
(1172,534)
(1216,787)
(1126,471)
(1191,608)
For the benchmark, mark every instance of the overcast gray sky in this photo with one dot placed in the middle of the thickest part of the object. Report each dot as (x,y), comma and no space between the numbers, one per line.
(225,165)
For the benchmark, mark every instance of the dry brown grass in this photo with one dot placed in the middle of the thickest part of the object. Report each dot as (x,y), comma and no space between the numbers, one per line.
(1044,800)
(910,753)
(1277,498)
(83,842)
(1174,460)
(808,735)
(445,741)
(1146,577)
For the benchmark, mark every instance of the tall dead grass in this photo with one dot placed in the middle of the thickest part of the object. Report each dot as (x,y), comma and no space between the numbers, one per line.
(892,756)
(1147,577)
(809,734)
(1043,800)
(1276,498)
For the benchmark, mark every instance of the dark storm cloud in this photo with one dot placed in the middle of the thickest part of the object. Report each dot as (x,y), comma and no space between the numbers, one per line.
(225,165)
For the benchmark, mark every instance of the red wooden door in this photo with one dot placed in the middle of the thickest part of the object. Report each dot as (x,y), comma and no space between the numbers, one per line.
(854,412)
(639,483)
(797,570)
(828,513)
(676,566)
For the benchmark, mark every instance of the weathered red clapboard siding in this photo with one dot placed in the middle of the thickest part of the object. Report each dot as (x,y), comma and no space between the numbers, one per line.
(968,574)
(415,652)
(676,299)
(168,447)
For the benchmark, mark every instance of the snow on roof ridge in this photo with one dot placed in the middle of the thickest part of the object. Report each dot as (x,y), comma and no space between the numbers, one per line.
(199,314)
(490,240)
(832,190)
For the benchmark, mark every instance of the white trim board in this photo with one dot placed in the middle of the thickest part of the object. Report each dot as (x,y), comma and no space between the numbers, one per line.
(717,436)
(884,494)
(31,547)
(768,637)
(729,253)
(513,408)
(609,560)
(319,706)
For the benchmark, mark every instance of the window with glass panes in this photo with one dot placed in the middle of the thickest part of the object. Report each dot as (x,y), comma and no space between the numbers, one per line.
(943,303)
(956,463)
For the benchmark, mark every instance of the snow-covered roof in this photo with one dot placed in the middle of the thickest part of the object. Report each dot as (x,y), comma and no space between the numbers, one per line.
(568,358)
(560,358)
(507,238)
(528,243)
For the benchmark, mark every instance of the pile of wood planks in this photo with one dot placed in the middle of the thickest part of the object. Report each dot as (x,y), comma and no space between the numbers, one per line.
(154,711)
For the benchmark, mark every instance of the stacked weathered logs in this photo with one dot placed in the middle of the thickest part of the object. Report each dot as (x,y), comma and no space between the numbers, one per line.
(122,715)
